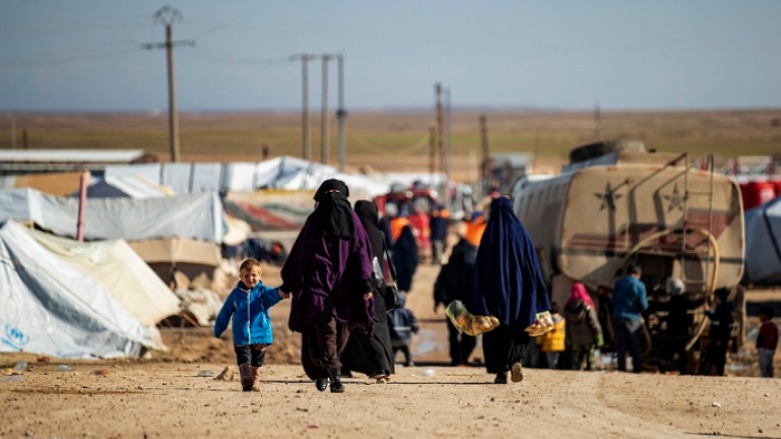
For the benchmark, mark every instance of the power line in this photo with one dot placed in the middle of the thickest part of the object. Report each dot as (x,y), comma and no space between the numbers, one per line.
(232,58)
(66,59)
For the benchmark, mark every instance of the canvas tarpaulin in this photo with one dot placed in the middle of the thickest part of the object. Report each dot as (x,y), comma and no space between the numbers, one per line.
(115,266)
(50,308)
(195,216)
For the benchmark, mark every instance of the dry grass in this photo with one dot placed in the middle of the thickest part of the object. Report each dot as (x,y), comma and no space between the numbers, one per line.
(396,141)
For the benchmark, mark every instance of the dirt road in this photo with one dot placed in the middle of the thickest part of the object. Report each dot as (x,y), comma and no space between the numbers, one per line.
(176,395)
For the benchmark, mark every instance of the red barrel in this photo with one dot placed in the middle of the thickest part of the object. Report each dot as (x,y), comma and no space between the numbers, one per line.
(756,193)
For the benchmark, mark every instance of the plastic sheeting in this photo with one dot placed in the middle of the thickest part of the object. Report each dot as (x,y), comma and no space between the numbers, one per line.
(50,308)
(278,173)
(195,216)
(763,243)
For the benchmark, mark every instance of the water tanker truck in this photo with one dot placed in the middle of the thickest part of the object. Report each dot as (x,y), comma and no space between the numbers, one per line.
(617,204)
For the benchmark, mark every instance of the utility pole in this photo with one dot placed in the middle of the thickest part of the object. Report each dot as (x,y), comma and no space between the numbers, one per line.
(486,146)
(448,162)
(432,154)
(306,140)
(13,130)
(167,15)
(324,116)
(440,128)
(341,113)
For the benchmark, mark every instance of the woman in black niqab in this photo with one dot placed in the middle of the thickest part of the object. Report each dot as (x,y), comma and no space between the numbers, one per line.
(372,355)
(333,212)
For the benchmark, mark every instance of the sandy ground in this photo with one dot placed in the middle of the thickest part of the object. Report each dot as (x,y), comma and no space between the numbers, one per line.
(176,395)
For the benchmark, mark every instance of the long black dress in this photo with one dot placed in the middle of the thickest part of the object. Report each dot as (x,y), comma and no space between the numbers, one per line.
(373,355)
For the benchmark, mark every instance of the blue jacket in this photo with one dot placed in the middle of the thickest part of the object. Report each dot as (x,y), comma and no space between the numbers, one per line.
(249,309)
(629,298)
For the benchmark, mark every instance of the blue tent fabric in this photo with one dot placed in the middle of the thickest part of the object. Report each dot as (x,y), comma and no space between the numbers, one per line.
(508,283)
(763,243)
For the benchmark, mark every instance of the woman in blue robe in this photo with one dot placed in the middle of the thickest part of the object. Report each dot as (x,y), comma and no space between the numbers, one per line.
(329,273)
(507,284)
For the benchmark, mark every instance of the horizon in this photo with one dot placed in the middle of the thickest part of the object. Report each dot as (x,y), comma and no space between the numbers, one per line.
(315,113)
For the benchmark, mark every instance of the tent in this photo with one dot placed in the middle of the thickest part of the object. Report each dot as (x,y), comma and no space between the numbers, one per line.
(114,265)
(289,173)
(763,243)
(133,186)
(50,308)
(194,216)
(192,258)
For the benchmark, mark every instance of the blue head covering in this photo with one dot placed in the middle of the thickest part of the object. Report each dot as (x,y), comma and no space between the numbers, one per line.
(507,283)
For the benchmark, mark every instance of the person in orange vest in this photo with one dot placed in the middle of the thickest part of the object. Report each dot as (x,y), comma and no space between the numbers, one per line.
(396,225)
(475,226)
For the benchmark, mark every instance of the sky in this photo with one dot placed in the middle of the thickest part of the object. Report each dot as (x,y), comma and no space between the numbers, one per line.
(89,55)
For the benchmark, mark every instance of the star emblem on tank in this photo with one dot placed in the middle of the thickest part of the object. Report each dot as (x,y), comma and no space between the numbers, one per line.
(675,199)
(608,198)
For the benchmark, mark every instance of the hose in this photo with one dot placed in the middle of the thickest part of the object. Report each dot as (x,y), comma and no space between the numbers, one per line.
(710,287)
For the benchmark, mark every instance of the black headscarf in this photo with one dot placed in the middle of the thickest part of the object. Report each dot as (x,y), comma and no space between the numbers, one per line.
(367,212)
(333,213)
(331,185)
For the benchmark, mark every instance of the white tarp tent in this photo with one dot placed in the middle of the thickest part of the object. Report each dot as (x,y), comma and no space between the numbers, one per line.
(50,308)
(284,172)
(763,242)
(123,273)
(133,186)
(194,216)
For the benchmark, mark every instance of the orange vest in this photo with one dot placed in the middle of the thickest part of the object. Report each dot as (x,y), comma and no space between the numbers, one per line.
(474,231)
(396,224)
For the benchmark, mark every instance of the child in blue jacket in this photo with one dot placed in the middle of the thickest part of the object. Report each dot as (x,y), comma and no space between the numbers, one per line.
(248,304)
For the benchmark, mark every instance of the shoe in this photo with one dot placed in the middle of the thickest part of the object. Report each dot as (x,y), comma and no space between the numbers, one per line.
(501,378)
(382,380)
(246,377)
(321,384)
(336,383)
(255,387)
(516,373)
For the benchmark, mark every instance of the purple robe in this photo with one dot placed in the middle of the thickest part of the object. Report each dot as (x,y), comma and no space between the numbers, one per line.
(328,276)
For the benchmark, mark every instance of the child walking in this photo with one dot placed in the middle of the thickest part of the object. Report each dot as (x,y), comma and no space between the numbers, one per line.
(554,341)
(247,309)
(402,325)
(767,340)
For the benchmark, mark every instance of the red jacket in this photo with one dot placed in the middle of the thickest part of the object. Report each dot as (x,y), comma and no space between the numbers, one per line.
(768,336)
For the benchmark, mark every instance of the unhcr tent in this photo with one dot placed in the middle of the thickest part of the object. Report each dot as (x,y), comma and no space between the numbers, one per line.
(50,308)
(763,243)
(115,266)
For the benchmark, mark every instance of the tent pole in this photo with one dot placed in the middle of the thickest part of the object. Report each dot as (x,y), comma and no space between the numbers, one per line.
(83,183)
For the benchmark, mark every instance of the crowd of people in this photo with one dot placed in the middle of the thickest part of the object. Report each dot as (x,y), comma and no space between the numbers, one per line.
(349,272)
